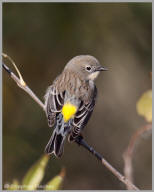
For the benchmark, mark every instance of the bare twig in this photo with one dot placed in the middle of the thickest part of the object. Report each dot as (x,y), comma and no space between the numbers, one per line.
(123,179)
(20,82)
(128,154)
(80,139)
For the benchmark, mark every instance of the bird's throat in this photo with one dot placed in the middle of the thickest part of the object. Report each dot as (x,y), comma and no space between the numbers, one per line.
(94,75)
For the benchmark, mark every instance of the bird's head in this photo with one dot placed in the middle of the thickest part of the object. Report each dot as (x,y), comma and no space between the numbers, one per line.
(88,67)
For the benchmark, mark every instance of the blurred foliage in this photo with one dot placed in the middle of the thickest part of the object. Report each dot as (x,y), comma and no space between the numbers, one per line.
(34,176)
(41,38)
(14,185)
(56,182)
(144,105)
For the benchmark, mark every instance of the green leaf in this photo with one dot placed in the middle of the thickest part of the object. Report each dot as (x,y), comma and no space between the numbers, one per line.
(14,185)
(35,174)
(144,105)
(56,182)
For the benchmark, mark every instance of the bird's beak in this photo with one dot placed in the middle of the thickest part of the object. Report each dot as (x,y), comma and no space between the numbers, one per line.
(102,69)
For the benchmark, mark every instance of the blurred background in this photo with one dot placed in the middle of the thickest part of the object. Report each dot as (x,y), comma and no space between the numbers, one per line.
(42,38)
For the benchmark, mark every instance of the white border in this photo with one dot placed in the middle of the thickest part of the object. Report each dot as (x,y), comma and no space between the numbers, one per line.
(75,1)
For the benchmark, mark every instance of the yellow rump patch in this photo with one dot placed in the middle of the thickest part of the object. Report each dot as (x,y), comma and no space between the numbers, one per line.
(68,111)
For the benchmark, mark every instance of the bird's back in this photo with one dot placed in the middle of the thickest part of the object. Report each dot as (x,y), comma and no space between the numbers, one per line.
(74,85)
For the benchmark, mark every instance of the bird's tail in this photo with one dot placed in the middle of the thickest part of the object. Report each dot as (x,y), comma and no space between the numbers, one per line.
(56,142)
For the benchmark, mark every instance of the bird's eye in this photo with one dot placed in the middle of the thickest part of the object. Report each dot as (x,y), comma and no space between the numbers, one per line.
(88,68)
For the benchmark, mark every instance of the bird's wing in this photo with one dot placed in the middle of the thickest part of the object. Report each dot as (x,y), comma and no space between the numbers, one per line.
(54,101)
(82,116)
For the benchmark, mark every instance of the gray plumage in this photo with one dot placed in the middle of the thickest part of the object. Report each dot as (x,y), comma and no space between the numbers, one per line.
(74,85)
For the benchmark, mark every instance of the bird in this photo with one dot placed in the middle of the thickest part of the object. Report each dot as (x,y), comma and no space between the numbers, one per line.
(70,100)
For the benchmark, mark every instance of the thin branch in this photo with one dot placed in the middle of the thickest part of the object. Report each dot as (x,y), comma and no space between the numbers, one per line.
(123,179)
(128,154)
(80,139)
(23,86)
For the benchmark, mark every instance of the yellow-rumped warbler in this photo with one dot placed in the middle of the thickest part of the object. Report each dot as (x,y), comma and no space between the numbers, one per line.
(70,100)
